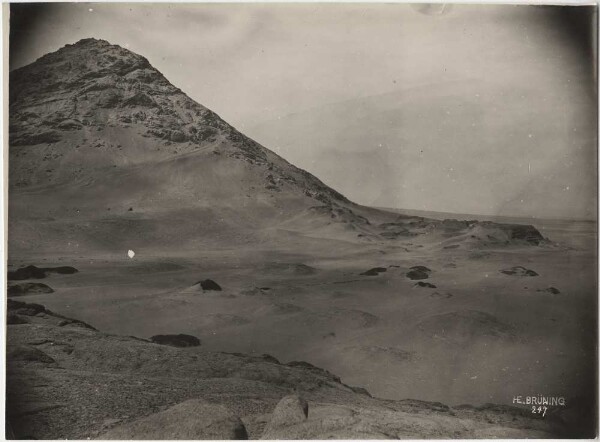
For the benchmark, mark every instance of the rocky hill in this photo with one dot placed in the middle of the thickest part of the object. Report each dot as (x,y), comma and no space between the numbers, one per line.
(104,150)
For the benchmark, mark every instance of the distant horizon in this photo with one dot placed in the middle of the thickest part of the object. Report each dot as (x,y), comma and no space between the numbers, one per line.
(475,215)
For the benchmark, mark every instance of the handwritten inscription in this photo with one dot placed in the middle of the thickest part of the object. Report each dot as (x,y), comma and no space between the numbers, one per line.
(539,404)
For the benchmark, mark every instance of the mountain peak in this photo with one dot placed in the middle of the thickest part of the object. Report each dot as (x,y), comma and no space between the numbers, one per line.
(93,83)
(91,41)
(92,91)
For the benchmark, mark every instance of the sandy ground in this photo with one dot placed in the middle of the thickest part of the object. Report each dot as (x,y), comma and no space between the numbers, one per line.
(479,336)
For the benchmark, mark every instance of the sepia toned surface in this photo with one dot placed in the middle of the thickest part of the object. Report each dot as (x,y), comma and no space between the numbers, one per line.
(218,278)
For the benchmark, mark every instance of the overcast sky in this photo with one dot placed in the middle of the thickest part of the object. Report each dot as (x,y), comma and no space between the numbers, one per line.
(467,109)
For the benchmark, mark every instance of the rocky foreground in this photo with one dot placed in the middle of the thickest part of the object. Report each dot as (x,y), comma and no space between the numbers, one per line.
(65,379)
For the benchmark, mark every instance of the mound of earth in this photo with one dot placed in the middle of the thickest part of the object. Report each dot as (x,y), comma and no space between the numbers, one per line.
(33,272)
(193,419)
(374,271)
(466,325)
(28,288)
(179,340)
(418,272)
(519,271)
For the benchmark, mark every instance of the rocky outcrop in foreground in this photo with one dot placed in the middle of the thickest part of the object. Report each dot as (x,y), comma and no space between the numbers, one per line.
(193,419)
(67,380)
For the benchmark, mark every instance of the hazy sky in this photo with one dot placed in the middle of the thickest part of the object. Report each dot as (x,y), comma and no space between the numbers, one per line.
(470,109)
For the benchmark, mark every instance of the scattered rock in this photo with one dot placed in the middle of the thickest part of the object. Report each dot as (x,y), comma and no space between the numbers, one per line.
(290,410)
(551,290)
(519,271)
(209,284)
(28,353)
(179,340)
(425,284)
(418,272)
(28,288)
(193,419)
(374,271)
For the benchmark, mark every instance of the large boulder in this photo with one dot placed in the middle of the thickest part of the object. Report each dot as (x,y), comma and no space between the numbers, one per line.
(290,410)
(193,419)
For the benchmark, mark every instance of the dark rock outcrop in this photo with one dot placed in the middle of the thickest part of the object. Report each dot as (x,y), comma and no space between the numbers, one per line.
(551,290)
(33,272)
(29,272)
(519,271)
(31,309)
(209,284)
(28,288)
(425,284)
(418,272)
(179,340)
(25,308)
(526,233)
